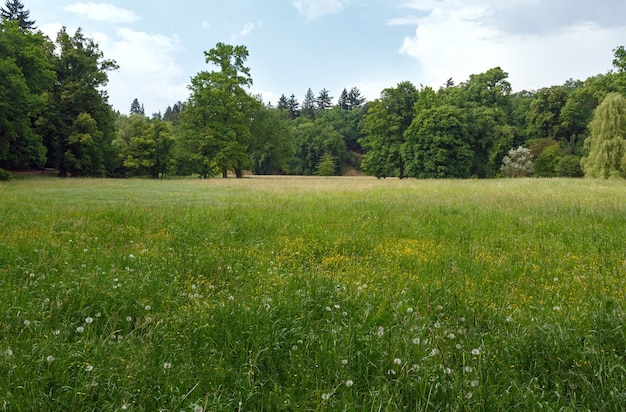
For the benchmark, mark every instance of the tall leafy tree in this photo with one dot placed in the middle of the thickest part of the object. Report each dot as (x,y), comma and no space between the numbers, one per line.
(14,10)
(437,144)
(607,142)
(79,107)
(312,141)
(26,77)
(217,116)
(384,125)
(272,148)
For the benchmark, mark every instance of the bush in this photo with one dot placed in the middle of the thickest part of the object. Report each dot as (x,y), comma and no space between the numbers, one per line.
(569,166)
(518,163)
(5,176)
(547,160)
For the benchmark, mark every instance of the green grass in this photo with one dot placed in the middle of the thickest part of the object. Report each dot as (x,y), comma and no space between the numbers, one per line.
(312,294)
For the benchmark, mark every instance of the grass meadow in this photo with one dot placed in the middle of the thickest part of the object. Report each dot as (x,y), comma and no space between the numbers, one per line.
(312,294)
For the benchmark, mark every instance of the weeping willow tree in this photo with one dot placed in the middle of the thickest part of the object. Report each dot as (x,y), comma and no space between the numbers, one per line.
(607,143)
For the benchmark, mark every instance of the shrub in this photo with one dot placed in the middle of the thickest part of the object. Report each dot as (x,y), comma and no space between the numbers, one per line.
(569,166)
(5,176)
(518,163)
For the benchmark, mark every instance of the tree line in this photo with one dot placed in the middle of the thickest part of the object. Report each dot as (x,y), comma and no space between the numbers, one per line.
(54,113)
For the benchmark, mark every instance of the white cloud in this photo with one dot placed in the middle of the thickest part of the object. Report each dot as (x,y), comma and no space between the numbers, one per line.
(245,31)
(455,40)
(313,9)
(148,70)
(102,12)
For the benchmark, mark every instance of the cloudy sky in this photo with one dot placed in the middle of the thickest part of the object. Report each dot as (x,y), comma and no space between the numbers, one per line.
(371,44)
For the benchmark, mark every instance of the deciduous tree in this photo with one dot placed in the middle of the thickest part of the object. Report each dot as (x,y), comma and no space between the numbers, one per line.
(607,141)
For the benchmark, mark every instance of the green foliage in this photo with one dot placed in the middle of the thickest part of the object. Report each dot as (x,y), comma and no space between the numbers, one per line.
(5,176)
(14,11)
(437,144)
(25,77)
(78,125)
(607,143)
(384,125)
(272,148)
(569,166)
(326,165)
(313,140)
(217,121)
(547,161)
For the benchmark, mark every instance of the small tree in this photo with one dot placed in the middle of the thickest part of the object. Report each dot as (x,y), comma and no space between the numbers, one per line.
(326,166)
(518,163)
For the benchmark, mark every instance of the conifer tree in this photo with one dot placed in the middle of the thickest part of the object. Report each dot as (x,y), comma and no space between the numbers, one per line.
(14,10)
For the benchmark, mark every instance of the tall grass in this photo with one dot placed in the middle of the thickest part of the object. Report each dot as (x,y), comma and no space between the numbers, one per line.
(312,294)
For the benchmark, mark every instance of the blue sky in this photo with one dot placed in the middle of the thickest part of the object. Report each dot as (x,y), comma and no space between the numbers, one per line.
(371,44)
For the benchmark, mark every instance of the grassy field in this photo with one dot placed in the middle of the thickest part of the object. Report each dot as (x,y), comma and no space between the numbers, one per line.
(312,294)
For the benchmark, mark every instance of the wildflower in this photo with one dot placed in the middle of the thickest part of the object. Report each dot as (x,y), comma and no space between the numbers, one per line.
(88,320)
(167,365)
(349,383)
(397,361)
(50,358)
(475,352)
(88,368)
(80,329)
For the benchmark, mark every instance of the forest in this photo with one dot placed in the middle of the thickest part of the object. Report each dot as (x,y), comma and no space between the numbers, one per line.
(55,115)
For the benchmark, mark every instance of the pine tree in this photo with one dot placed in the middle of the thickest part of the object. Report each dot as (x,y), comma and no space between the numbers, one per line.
(355,99)
(293,107)
(283,103)
(137,108)
(343,101)
(324,100)
(14,10)
(308,106)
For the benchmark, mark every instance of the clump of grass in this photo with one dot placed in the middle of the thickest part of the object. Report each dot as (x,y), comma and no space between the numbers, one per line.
(320,294)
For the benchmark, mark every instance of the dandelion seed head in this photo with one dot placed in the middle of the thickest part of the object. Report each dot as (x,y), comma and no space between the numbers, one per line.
(56,332)
(474,383)
(88,368)
(475,352)
(397,361)
(129,319)
(409,310)
(416,341)
(447,371)
(344,362)
(88,320)
(469,395)
(131,256)
(349,383)
(509,318)
(80,329)
(8,352)
(50,358)
(468,369)
(26,322)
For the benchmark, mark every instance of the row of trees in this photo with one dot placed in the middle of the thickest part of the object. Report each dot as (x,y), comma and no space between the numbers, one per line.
(55,113)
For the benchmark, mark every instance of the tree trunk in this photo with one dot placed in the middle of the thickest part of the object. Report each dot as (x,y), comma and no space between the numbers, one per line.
(224,173)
